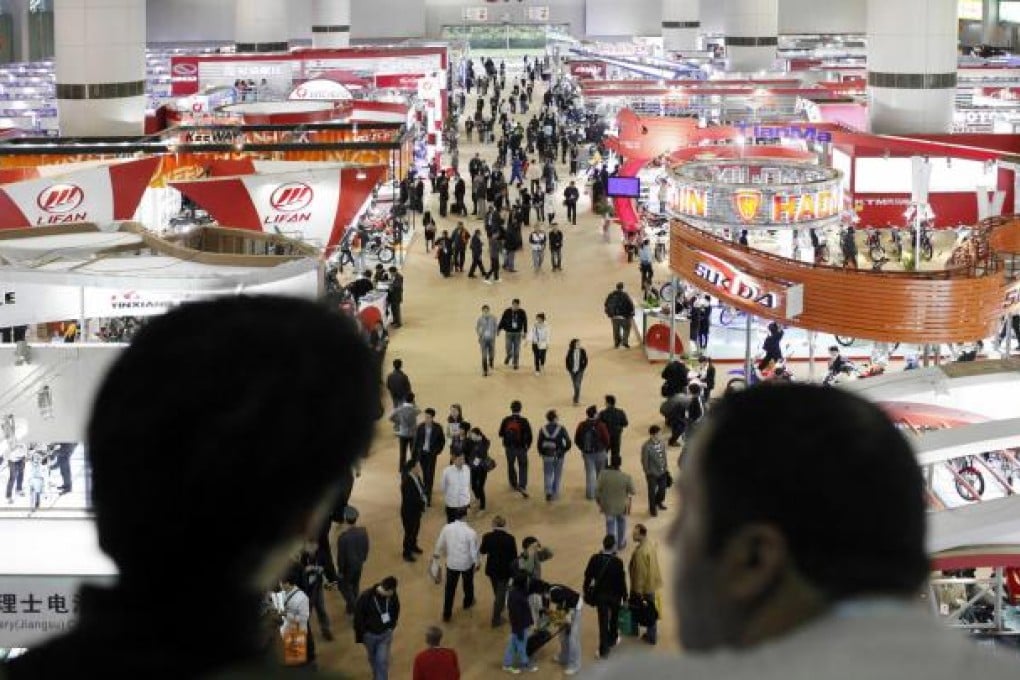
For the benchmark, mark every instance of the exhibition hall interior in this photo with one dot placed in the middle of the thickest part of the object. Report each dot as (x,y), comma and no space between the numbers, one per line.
(579,238)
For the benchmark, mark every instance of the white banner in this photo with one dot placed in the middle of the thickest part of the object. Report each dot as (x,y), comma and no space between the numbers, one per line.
(84,196)
(321,89)
(304,203)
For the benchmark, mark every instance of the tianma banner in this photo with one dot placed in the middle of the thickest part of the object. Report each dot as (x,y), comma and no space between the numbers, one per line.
(100,195)
(316,206)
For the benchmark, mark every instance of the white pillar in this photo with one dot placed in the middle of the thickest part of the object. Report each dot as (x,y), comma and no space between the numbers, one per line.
(912,58)
(261,25)
(751,29)
(331,23)
(990,32)
(681,25)
(100,67)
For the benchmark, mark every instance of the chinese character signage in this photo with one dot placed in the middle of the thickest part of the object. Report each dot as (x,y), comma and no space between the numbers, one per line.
(35,608)
(763,206)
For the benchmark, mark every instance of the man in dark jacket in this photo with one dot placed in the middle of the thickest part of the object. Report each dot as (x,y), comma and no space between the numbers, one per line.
(606,583)
(412,506)
(514,323)
(675,375)
(570,197)
(556,248)
(615,420)
(500,547)
(351,554)
(375,618)
(477,247)
(620,310)
(398,384)
(429,442)
(395,296)
(515,432)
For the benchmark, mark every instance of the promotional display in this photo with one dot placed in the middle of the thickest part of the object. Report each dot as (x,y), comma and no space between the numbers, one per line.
(317,205)
(320,89)
(101,195)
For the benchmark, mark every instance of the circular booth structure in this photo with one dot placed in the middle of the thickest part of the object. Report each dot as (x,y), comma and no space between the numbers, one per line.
(294,112)
(750,193)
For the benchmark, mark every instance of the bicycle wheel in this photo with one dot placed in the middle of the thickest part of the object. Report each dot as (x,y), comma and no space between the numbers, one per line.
(666,292)
(926,251)
(823,254)
(976,481)
(736,385)
(845,342)
(385,255)
(726,315)
(876,253)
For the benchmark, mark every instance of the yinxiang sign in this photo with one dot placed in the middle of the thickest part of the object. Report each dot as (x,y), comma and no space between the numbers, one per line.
(764,207)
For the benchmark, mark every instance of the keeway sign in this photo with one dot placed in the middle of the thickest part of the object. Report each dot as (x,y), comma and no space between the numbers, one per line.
(100,194)
(810,134)
(725,278)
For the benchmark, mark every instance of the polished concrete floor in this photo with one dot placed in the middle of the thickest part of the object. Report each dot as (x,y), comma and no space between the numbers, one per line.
(441,356)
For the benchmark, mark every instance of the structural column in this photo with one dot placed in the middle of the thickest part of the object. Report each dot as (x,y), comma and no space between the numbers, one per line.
(100,67)
(680,25)
(990,32)
(751,30)
(912,59)
(331,23)
(261,25)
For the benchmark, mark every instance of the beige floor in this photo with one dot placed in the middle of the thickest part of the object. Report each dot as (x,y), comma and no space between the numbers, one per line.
(441,357)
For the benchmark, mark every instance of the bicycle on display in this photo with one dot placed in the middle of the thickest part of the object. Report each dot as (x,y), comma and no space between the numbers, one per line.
(846,341)
(927,247)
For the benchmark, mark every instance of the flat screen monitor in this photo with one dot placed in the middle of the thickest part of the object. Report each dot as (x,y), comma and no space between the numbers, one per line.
(625,187)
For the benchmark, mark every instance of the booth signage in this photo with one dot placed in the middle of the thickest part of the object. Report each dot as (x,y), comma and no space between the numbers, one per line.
(35,608)
(808,134)
(806,207)
(59,200)
(724,277)
(732,205)
(217,136)
(288,201)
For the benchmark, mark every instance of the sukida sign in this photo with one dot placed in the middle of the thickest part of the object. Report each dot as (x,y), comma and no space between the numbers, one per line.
(724,278)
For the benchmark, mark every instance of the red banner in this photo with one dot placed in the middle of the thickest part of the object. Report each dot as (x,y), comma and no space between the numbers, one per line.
(588,70)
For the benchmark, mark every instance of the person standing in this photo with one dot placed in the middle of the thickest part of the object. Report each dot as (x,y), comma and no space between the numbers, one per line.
(435,662)
(645,263)
(706,376)
(515,658)
(429,442)
(704,308)
(456,487)
(478,457)
(412,506)
(514,323)
(613,492)
(317,575)
(398,384)
(620,310)
(516,435)
(458,243)
(605,587)
(476,247)
(405,418)
(773,344)
(375,619)
(500,548)
(486,329)
(592,440)
(553,444)
(577,364)
(537,240)
(444,253)
(568,601)
(459,543)
(616,421)
(395,295)
(656,469)
(556,248)
(297,610)
(540,336)
(570,198)
(645,582)
(352,548)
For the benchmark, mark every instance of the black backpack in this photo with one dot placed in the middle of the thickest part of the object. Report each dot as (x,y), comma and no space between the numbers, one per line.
(590,438)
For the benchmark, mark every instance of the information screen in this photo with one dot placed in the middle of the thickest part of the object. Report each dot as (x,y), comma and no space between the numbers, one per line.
(625,187)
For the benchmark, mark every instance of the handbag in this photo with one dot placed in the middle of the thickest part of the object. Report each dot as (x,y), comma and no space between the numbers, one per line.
(669,480)
(295,646)
(590,594)
(489,463)
(435,570)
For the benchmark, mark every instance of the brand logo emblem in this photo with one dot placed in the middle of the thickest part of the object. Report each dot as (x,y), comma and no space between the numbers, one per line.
(747,202)
(185,69)
(60,199)
(291,197)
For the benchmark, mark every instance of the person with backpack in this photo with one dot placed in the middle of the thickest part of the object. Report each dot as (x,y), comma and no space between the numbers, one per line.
(553,444)
(516,435)
(577,363)
(592,439)
(616,421)
(620,310)
(605,587)
(656,468)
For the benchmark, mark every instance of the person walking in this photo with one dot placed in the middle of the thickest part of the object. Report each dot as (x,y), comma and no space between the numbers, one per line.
(577,364)
(539,337)
(395,296)
(645,265)
(553,444)
(318,574)
(592,440)
(616,422)
(529,563)
(569,602)
(297,610)
(706,376)
(537,240)
(515,658)
(605,587)
(456,487)
(375,618)
(352,548)
(500,548)
(613,492)
(476,247)
(645,583)
(556,248)
(570,198)
(444,254)
(459,543)
(429,442)
(704,310)
(656,469)
(412,506)
(516,435)
(435,662)
(458,242)
(514,323)
(495,253)
(479,460)
(486,328)
(398,384)
(620,310)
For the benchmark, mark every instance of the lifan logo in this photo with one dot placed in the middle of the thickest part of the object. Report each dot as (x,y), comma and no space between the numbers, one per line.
(291,197)
(60,199)
(185,69)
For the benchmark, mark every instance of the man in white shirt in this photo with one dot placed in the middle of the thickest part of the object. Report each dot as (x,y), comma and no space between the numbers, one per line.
(459,542)
(456,486)
(809,564)
(296,609)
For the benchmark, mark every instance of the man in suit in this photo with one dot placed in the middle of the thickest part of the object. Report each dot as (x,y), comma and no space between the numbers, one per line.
(429,442)
(616,421)
(398,384)
(500,548)
(412,506)
(605,579)
(351,555)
